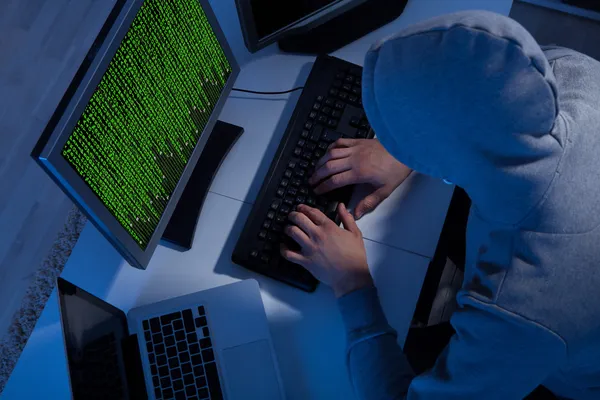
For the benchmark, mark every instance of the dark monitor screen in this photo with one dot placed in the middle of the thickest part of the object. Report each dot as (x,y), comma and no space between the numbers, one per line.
(93,332)
(273,15)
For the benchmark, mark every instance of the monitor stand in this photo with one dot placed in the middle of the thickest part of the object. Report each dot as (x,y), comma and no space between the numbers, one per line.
(343,29)
(179,234)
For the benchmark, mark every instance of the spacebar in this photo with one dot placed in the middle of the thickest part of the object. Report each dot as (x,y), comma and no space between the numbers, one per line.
(212,377)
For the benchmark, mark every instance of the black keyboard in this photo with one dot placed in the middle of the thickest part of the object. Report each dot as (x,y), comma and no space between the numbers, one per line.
(329,108)
(182,361)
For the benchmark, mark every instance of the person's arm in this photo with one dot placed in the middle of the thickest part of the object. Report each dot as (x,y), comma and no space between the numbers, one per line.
(494,355)
(377,366)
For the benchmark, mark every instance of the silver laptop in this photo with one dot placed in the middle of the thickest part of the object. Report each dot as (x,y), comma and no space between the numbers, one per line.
(213,344)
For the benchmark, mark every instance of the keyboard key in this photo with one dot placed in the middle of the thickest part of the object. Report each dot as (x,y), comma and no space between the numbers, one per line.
(300,173)
(205,331)
(161,360)
(292,164)
(322,119)
(190,390)
(300,200)
(169,341)
(157,338)
(171,351)
(184,357)
(179,335)
(316,133)
(273,237)
(199,370)
(339,105)
(355,122)
(356,90)
(288,174)
(155,325)
(167,330)
(298,182)
(265,258)
(330,102)
(159,349)
(310,201)
(326,111)
(201,310)
(319,99)
(297,151)
(347,87)
(203,393)
(340,75)
(271,215)
(212,376)
(353,98)
(188,379)
(154,369)
(147,336)
(163,371)
(336,114)
(200,382)
(197,360)
(280,192)
(180,395)
(364,124)
(205,343)
(158,393)
(262,235)
(267,224)
(334,91)
(182,346)
(312,115)
(194,349)
(292,190)
(289,201)
(343,96)
(284,183)
(276,203)
(173,362)
(178,384)
(331,136)
(167,319)
(281,219)
(332,123)
(176,373)
(323,145)
(316,107)
(152,358)
(155,381)
(303,164)
(304,134)
(301,143)
(254,254)
(186,368)
(303,191)
(308,125)
(188,320)
(285,209)
(192,337)
(307,155)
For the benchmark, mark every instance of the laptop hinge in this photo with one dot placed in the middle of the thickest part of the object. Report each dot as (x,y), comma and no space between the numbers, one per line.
(133,368)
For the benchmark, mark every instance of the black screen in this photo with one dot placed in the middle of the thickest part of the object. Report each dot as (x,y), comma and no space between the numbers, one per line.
(272,15)
(93,332)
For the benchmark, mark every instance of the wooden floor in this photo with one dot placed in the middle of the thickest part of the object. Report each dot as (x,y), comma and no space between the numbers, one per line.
(42,43)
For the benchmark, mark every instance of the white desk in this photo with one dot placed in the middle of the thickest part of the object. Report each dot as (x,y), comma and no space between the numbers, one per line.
(307,331)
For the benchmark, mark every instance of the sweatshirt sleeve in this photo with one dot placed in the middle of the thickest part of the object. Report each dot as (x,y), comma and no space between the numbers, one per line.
(493,355)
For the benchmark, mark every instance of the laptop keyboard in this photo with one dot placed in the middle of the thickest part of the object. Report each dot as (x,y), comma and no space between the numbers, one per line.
(181,356)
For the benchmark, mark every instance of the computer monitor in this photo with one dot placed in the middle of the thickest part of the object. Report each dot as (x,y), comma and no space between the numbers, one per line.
(267,21)
(132,125)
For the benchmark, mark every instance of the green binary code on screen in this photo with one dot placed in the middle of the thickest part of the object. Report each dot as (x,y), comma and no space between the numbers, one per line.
(144,120)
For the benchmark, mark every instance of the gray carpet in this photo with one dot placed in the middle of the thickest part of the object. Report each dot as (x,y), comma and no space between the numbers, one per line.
(12,344)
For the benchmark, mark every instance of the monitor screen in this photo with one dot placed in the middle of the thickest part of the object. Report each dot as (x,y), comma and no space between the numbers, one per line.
(271,16)
(147,114)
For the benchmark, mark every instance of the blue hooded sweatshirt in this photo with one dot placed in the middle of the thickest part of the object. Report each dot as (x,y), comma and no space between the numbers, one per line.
(472,98)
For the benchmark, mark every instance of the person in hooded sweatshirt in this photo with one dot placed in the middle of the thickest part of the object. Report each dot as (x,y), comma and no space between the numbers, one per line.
(473,99)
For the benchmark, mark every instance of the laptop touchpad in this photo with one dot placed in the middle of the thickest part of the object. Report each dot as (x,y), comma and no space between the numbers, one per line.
(249,372)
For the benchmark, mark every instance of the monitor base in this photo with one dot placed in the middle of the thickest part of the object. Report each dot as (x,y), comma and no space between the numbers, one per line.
(179,234)
(343,29)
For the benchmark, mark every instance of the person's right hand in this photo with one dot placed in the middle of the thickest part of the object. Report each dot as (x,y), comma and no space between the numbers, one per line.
(354,161)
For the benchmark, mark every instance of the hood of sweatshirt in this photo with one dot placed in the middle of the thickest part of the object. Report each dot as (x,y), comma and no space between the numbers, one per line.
(471,98)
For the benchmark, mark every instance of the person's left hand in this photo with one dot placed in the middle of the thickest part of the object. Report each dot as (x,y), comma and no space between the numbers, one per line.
(335,256)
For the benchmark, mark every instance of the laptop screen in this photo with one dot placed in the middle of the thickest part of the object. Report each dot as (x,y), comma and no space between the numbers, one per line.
(93,332)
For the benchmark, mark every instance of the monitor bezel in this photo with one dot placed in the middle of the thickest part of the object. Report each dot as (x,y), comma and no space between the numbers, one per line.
(48,150)
(250,33)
